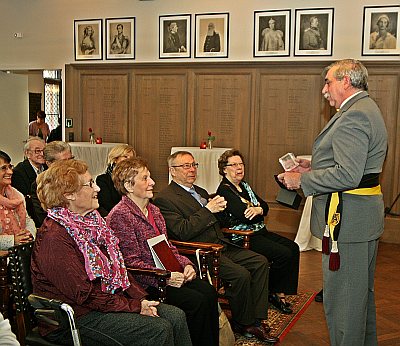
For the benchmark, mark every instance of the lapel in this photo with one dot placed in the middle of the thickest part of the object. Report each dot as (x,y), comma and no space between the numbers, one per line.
(341,111)
(185,196)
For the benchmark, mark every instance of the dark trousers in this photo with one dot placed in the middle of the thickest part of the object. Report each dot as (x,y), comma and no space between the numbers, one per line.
(128,328)
(284,255)
(246,274)
(198,299)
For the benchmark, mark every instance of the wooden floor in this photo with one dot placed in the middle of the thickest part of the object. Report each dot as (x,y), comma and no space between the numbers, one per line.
(311,328)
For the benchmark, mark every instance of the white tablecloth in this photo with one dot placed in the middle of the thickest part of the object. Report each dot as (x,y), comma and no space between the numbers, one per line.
(207,173)
(304,238)
(95,155)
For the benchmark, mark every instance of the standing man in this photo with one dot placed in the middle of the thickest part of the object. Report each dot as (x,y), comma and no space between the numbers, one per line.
(25,172)
(39,127)
(348,210)
(312,39)
(189,213)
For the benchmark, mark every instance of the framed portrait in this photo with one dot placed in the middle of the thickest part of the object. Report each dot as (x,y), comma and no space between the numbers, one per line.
(381,30)
(212,35)
(314,32)
(88,43)
(174,36)
(120,38)
(271,33)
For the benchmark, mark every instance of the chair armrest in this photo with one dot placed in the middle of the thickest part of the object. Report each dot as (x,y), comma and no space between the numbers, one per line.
(246,233)
(206,249)
(161,276)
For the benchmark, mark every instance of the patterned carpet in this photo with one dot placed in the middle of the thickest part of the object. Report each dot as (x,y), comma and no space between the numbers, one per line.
(280,323)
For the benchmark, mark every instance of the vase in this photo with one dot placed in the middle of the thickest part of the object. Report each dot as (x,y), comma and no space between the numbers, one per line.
(91,139)
(209,144)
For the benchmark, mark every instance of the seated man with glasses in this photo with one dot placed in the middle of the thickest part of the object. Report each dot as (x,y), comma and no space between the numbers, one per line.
(189,213)
(53,152)
(25,172)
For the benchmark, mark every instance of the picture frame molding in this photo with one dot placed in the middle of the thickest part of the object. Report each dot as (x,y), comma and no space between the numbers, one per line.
(161,35)
(329,27)
(132,37)
(369,14)
(78,37)
(199,34)
(257,53)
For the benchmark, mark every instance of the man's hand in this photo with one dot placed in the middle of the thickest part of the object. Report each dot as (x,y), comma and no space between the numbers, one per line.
(216,204)
(176,280)
(290,179)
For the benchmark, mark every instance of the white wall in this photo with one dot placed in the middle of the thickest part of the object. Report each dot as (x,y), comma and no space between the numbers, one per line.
(13,114)
(47,27)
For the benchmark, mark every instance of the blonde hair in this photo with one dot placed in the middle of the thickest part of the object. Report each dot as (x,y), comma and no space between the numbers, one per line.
(61,178)
(118,151)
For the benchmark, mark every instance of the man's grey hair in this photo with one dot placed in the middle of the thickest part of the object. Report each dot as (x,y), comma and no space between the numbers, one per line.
(53,148)
(172,157)
(352,68)
(27,145)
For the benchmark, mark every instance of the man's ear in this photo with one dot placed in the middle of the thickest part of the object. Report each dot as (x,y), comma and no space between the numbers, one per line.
(70,196)
(172,171)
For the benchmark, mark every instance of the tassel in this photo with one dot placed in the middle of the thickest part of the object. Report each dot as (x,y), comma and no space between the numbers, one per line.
(334,258)
(325,241)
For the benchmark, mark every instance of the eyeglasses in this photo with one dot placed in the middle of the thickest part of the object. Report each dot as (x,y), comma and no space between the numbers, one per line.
(236,165)
(4,168)
(90,183)
(188,165)
(37,151)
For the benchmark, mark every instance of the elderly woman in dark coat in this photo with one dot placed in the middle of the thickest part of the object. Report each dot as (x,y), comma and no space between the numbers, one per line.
(76,259)
(246,210)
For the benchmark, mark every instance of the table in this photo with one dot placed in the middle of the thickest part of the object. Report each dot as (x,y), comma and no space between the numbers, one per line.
(207,174)
(304,237)
(95,155)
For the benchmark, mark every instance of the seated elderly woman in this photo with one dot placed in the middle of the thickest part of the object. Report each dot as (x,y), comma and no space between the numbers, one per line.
(16,227)
(76,259)
(134,221)
(108,195)
(246,210)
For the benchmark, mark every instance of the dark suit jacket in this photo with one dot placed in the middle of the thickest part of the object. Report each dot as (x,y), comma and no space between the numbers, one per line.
(108,195)
(23,177)
(186,219)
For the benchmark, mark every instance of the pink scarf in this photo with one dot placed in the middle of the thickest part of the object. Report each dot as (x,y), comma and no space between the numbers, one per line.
(90,233)
(12,211)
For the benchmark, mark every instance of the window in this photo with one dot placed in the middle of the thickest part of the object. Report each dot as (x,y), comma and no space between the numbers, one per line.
(52,97)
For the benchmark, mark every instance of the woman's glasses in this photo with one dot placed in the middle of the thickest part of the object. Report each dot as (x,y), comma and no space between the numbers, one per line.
(4,168)
(236,165)
(90,183)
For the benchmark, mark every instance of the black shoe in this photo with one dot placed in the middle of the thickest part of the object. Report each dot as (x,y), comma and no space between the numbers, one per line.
(279,304)
(260,333)
(320,296)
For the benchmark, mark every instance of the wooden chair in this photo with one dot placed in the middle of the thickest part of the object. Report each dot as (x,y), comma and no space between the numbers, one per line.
(211,252)
(25,315)
(30,308)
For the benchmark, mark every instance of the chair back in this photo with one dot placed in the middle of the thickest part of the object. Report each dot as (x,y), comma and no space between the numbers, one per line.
(27,308)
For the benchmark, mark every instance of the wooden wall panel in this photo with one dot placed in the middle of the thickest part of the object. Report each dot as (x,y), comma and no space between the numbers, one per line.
(384,89)
(264,109)
(107,110)
(288,121)
(159,119)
